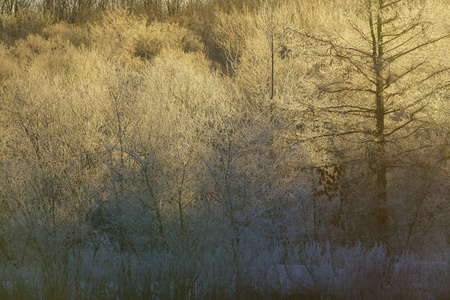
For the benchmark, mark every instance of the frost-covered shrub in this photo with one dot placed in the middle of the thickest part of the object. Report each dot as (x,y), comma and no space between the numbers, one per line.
(77,35)
(19,25)
(101,270)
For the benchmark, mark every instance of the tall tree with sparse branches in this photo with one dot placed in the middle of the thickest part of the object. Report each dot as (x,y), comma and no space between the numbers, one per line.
(383,87)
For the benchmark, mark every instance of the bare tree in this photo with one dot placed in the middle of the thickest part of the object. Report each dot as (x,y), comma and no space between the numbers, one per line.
(382,88)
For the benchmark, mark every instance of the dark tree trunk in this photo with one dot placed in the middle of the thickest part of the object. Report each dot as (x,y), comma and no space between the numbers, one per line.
(380,114)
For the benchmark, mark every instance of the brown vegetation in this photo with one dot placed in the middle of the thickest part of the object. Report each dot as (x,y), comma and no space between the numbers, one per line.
(181,148)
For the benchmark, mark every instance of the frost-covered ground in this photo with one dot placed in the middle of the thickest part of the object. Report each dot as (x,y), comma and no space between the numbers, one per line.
(313,271)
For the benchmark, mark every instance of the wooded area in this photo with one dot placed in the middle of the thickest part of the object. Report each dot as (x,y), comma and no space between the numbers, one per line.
(224,149)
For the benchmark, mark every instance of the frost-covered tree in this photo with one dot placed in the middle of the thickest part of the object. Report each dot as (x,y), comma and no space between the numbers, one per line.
(383,75)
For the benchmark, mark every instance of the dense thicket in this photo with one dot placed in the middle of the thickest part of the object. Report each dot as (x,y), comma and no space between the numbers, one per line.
(224,149)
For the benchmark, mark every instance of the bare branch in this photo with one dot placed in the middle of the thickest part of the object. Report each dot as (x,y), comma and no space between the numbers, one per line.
(390,4)
(326,136)
(400,34)
(345,89)
(398,55)
(407,72)
(403,43)
(364,109)
(435,74)
(407,122)
(390,20)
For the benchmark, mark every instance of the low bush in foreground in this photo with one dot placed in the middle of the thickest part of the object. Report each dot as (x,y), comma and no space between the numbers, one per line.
(312,271)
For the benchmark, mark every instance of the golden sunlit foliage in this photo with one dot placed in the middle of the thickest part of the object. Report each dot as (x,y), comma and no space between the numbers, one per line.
(182,149)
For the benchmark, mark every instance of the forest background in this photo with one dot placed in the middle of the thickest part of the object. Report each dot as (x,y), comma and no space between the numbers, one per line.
(224,149)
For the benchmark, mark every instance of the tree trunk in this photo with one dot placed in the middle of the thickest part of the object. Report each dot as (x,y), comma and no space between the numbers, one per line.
(380,113)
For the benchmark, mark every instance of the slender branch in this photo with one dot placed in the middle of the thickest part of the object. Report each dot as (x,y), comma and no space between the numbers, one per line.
(350,106)
(403,43)
(435,74)
(326,135)
(400,34)
(390,4)
(398,55)
(407,122)
(344,89)
(405,136)
(413,68)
